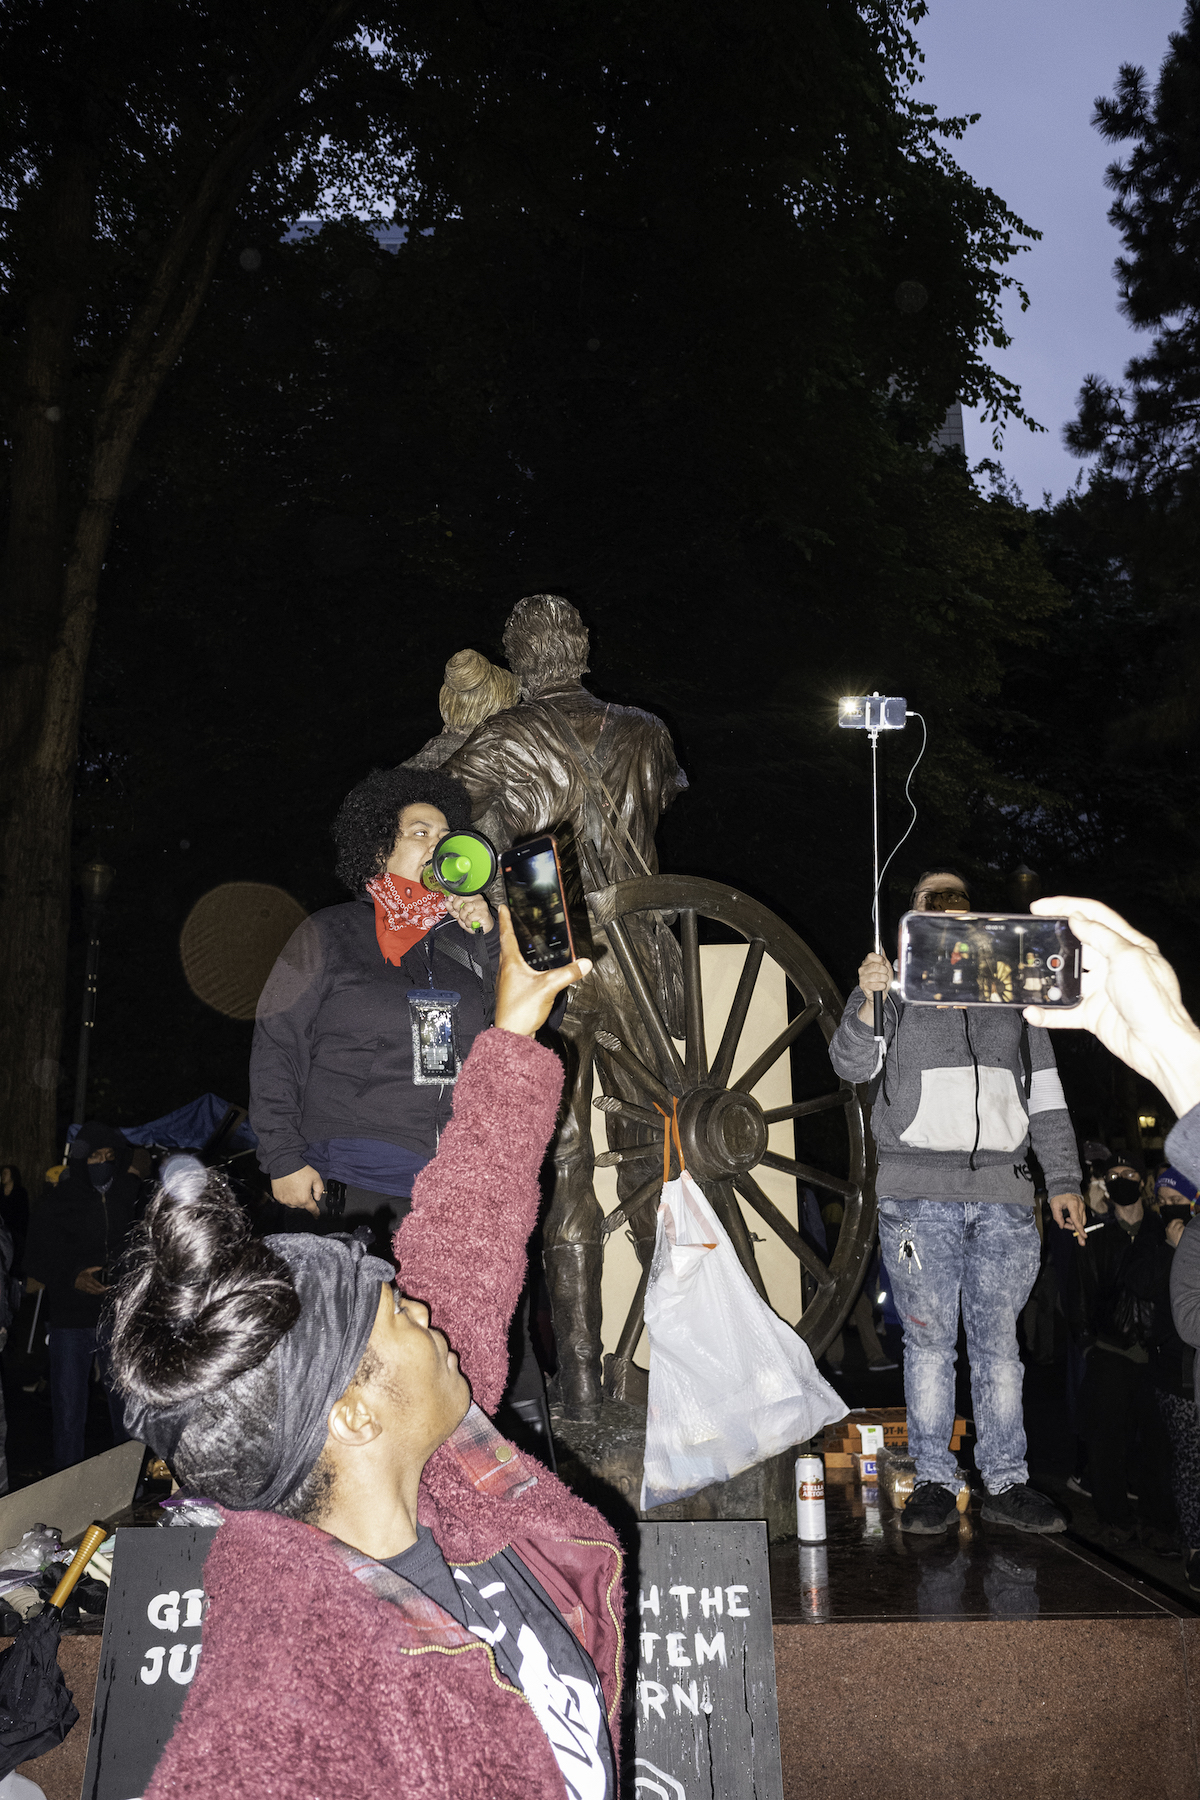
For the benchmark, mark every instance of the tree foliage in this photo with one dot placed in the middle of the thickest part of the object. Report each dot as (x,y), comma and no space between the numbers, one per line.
(684,296)
(1148,433)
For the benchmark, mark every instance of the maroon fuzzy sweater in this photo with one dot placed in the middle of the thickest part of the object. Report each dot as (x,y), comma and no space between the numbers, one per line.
(312,1688)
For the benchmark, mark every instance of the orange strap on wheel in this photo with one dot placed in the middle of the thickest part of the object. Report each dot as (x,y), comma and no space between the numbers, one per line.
(670,1130)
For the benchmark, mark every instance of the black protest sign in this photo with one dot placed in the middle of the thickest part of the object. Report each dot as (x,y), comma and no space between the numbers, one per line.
(707,1710)
(148,1656)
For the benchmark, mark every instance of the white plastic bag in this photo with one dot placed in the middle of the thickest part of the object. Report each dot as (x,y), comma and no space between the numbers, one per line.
(730,1382)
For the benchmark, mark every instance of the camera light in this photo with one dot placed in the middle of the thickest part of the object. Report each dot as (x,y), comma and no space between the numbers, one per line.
(1147,1121)
(872,712)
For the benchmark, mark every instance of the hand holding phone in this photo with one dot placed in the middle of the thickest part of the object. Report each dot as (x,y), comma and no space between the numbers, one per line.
(524,996)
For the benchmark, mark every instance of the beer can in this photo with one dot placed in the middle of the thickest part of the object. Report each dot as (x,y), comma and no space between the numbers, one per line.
(810,1499)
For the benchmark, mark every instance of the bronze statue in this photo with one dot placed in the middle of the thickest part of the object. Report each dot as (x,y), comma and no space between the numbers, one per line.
(473,689)
(599,776)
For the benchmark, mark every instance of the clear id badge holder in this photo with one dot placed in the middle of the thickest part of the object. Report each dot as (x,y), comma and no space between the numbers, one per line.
(434,1036)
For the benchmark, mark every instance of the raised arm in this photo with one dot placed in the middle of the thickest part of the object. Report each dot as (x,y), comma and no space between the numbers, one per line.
(462,1247)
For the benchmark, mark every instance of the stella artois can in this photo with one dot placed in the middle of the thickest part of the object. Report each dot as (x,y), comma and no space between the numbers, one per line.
(810,1499)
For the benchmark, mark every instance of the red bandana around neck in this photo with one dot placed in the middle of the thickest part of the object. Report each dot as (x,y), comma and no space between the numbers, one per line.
(404,912)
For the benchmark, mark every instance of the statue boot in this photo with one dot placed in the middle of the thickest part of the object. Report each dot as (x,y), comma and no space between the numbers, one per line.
(573,1278)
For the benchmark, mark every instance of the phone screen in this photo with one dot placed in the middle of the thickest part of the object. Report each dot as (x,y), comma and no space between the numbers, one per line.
(533,888)
(989,959)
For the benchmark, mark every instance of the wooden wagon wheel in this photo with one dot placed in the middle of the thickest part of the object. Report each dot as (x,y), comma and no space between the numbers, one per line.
(723,1127)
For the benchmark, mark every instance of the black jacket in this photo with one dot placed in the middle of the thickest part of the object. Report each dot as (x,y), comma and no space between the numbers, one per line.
(332,1053)
(75,1227)
(1122,1297)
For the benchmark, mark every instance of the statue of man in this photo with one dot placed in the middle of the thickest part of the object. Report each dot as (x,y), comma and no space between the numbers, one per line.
(599,775)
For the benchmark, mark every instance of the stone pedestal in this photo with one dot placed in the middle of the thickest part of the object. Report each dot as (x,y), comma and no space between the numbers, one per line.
(603,1462)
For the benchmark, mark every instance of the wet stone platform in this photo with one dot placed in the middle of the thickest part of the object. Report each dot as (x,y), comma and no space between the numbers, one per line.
(868,1570)
(982,1661)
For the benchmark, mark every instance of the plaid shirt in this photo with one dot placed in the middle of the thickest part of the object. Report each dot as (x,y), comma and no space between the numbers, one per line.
(493,1466)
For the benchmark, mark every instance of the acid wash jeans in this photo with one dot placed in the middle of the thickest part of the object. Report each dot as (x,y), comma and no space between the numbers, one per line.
(986,1254)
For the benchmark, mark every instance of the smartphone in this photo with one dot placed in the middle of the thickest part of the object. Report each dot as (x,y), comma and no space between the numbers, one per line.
(989,959)
(533,887)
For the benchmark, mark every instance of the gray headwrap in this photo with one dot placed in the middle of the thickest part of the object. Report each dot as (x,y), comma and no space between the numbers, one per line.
(338,1285)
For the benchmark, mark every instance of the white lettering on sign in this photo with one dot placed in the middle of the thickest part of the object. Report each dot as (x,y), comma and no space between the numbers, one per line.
(654,1697)
(652,1602)
(163,1611)
(706,1652)
(711,1602)
(195,1607)
(656,1781)
(181,1663)
(649,1639)
(178,1657)
(731,1606)
(691,1699)
(681,1594)
(675,1655)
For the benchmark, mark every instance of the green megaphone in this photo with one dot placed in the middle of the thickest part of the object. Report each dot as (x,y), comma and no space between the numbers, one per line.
(463,863)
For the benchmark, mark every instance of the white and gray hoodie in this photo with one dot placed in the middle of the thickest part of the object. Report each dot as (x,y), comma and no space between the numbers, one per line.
(963,1094)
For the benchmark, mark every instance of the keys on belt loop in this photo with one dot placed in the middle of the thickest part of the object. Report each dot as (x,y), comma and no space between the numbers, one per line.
(908,1250)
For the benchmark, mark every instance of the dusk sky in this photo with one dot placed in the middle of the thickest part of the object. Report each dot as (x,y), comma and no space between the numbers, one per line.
(1033,69)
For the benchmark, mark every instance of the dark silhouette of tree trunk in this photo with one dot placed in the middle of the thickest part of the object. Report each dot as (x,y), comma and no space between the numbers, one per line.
(57,542)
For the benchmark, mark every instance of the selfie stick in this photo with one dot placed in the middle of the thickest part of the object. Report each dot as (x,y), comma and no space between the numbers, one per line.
(874,713)
(876,997)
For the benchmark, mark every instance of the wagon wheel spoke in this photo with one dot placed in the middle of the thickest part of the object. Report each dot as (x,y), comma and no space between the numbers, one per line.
(735,1023)
(633,1065)
(804,1109)
(669,1066)
(774,1050)
(770,1214)
(610,1159)
(724,1203)
(635,1320)
(693,999)
(806,1172)
(618,1108)
(628,1210)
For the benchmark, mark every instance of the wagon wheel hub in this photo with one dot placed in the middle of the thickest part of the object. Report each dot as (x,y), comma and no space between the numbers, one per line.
(723,1132)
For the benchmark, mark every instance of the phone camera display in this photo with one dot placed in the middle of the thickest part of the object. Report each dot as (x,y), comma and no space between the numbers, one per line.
(536,903)
(972,959)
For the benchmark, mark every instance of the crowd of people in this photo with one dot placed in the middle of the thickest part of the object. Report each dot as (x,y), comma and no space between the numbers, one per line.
(331,1396)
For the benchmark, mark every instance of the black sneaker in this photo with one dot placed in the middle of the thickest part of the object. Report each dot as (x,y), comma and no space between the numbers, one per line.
(1023,1508)
(1191,1570)
(930,1508)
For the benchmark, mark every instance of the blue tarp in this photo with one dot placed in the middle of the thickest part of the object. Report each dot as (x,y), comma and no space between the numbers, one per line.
(187,1128)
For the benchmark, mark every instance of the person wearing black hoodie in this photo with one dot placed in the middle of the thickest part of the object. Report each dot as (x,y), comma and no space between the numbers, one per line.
(1119,1310)
(77,1236)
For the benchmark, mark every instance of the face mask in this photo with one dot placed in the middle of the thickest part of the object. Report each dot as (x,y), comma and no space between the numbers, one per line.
(1169,1213)
(100,1174)
(1123,1190)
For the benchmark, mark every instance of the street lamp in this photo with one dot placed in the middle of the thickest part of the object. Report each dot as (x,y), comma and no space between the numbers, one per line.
(96,881)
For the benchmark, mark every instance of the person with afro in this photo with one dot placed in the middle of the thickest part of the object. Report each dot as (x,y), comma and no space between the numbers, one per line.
(372,1006)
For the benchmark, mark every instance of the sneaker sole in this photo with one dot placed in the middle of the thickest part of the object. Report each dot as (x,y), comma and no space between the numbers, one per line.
(999,1518)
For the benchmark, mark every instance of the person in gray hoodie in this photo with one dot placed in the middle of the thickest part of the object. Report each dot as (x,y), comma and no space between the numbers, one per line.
(962,1096)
